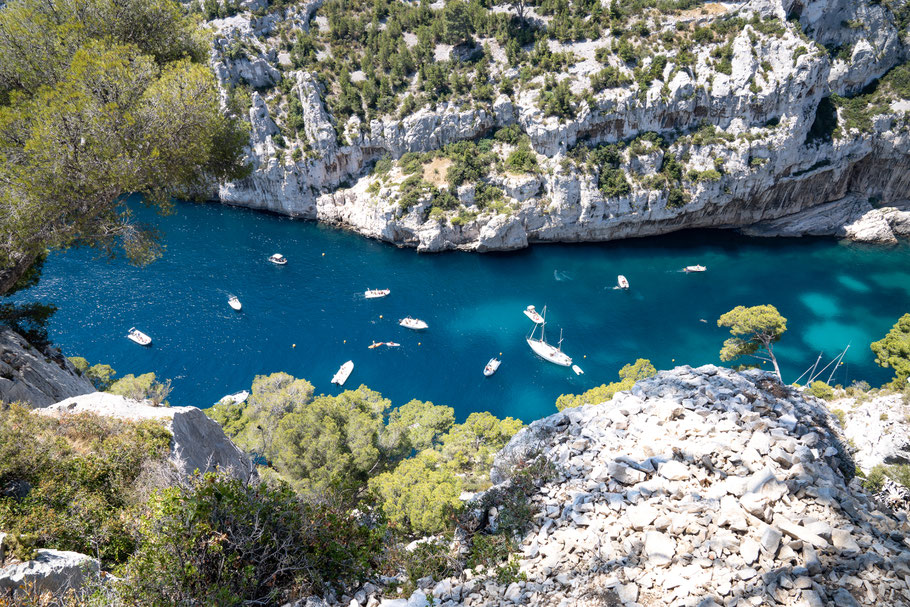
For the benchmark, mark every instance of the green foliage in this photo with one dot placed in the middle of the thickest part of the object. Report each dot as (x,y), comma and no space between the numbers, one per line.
(421,495)
(98,99)
(608,78)
(456,22)
(142,387)
(72,481)
(754,329)
(840,415)
(820,389)
(253,424)
(469,447)
(101,376)
(893,351)
(223,542)
(557,98)
(522,159)
(20,546)
(899,473)
(420,423)
(628,376)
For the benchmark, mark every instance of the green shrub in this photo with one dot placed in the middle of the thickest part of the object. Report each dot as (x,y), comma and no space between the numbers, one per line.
(142,387)
(820,389)
(522,160)
(840,415)
(629,375)
(899,473)
(220,541)
(72,481)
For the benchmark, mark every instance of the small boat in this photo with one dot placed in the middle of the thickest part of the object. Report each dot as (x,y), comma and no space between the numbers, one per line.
(343,373)
(278,259)
(139,337)
(374,293)
(622,282)
(236,398)
(413,323)
(549,353)
(234,303)
(577,370)
(492,367)
(531,313)
(688,269)
(390,344)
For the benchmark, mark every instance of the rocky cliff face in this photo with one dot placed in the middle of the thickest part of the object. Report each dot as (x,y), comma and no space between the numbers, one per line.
(38,378)
(198,441)
(698,487)
(770,144)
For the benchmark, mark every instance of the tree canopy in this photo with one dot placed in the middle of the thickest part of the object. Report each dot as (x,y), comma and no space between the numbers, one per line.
(99,99)
(893,351)
(754,329)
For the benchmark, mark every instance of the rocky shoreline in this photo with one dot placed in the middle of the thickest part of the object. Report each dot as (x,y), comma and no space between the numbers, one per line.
(777,177)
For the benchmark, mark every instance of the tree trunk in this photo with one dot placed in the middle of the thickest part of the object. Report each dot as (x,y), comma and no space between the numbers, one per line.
(774,361)
(10,275)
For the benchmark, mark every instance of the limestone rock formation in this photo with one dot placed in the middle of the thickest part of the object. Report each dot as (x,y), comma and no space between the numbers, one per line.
(37,378)
(198,441)
(766,121)
(53,571)
(878,429)
(698,487)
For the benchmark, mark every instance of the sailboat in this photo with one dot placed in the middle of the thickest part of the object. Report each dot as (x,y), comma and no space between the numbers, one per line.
(549,353)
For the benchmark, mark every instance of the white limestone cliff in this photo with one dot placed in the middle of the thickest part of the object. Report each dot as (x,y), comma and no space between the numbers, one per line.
(764,108)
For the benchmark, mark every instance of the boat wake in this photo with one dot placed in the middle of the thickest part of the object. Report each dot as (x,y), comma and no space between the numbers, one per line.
(561,276)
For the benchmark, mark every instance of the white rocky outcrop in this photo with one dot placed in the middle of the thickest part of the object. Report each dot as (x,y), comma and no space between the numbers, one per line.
(53,571)
(878,429)
(33,377)
(198,441)
(764,108)
(698,487)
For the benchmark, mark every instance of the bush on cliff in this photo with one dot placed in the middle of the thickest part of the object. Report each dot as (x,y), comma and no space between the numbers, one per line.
(894,351)
(72,481)
(628,375)
(219,541)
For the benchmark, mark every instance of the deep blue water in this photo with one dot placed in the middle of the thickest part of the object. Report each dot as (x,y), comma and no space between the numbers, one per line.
(832,294)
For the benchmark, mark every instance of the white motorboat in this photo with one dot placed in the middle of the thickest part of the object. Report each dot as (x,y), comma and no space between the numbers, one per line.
(622,282)
(234,303)
(549,353)
(531,313)
(413,323)
(492,367)
(278,259)
(139,337)
(236,398)
(375,293)
(688,269)
(577,370)
(343,373)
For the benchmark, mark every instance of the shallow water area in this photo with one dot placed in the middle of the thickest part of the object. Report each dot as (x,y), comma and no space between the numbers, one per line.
(308,317)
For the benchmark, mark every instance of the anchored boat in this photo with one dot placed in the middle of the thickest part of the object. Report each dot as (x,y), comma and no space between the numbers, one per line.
(622,282)
(549,353)
(492,367)
(374,293)
(413,323)
(689,269)
(235,399)
(234,303)
(343,373)
(278,259)
(139,337)
(531,313)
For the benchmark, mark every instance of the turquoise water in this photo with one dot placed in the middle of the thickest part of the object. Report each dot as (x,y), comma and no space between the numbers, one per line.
(308,317)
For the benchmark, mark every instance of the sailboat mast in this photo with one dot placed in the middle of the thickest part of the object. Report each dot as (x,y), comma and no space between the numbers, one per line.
(559,347)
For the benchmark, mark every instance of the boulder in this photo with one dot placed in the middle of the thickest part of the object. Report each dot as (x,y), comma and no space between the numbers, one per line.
(34,377)
(54,571)
(198,441)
